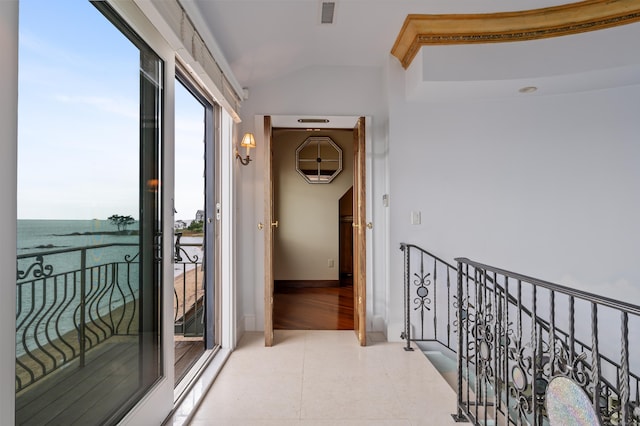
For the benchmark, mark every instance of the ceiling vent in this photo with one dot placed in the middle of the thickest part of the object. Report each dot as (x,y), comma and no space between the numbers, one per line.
(327,10)
(313,120)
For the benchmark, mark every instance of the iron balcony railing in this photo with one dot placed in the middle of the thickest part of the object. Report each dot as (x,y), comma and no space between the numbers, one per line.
(70,300)
(189,290)
(512,335)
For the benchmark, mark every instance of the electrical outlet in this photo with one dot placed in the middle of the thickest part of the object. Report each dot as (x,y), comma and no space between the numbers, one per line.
(330,263)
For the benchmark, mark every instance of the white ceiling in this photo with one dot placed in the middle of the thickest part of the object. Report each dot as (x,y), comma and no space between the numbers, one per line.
(267,39)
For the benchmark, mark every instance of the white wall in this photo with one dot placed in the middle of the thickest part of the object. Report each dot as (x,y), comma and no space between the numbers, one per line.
(548,186)
(8,184)
(350,91)
(307,236)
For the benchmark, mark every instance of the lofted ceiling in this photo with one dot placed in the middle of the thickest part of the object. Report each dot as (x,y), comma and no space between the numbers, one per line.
(267,39)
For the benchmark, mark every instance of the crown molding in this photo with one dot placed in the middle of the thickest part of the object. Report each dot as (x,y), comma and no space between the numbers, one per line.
(574,18)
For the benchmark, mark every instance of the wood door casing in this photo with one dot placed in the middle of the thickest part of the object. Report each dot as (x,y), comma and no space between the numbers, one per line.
(268,234)
(358,225)
(359,235)
(345,238)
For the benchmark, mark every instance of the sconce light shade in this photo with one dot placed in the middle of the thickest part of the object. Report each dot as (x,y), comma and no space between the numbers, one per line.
(248,141)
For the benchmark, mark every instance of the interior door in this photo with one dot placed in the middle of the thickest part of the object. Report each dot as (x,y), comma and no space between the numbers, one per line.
(268,236)
(359,236)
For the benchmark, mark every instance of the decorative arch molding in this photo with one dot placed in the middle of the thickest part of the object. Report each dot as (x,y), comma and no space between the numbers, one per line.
(574,18)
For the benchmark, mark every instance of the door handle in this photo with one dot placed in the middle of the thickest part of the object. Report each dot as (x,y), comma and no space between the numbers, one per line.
(274,224)
(260,226)
(369,225)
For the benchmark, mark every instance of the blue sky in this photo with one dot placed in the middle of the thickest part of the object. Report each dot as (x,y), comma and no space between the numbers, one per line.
(189,161)
(78,146)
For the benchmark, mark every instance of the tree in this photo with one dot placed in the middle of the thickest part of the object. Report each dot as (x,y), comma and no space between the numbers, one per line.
(122,222)
(196,226)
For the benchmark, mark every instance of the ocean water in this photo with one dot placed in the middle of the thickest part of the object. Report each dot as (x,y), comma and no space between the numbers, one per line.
(39,235)
(45,236)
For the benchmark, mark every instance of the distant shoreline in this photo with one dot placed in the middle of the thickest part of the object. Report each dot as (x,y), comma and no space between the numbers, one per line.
(186,233)
(74,234)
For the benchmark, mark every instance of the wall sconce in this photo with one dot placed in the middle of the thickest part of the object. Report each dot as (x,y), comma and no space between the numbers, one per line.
(248,141)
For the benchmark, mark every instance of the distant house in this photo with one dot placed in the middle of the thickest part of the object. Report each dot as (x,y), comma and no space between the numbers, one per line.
(200,216)
(179,224)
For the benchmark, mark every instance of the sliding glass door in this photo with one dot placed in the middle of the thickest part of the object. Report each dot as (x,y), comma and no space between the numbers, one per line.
(194,228)
(89,248)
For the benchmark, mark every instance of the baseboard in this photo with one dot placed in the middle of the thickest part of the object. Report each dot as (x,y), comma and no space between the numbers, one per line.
(394,331)
(378,325)
(281,284)
(248,323)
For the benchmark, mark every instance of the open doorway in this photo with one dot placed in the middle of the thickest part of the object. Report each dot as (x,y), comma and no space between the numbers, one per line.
(312,247)
(360,198)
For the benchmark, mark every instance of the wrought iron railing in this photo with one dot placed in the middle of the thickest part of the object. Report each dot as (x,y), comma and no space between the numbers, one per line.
(69,301)
(428,316)
(514,334)
(189,290)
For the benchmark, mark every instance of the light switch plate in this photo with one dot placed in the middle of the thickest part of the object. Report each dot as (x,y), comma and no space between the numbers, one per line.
(416,218)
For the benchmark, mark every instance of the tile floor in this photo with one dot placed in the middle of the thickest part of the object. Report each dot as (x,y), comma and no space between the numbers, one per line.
(325,378)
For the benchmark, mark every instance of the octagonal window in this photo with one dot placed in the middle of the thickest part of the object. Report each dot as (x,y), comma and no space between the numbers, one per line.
(319,159)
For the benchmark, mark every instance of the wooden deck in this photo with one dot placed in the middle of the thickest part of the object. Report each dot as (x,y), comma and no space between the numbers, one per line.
(83,396)
(187,353)
(89,395)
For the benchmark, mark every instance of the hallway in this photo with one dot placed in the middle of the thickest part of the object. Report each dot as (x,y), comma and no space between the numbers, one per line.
(325,378)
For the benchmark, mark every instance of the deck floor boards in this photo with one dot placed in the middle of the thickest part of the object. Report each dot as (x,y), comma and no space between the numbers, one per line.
(35,393)
(76,396)
(186,353)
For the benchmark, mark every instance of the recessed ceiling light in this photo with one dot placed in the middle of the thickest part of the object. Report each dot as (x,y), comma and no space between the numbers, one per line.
(528,89)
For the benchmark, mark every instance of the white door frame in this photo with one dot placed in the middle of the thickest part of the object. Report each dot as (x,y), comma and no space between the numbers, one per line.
(157,404)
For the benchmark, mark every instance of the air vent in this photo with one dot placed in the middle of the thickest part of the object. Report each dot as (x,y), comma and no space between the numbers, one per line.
(313,120)
(327,11)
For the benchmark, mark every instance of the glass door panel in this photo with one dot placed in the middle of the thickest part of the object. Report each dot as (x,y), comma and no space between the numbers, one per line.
(191,265)
(89,263)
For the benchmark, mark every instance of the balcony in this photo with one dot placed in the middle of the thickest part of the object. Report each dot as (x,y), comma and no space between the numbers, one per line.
(77,339)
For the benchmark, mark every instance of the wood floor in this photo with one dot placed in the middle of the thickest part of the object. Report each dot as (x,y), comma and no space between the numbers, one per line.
(314,308)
